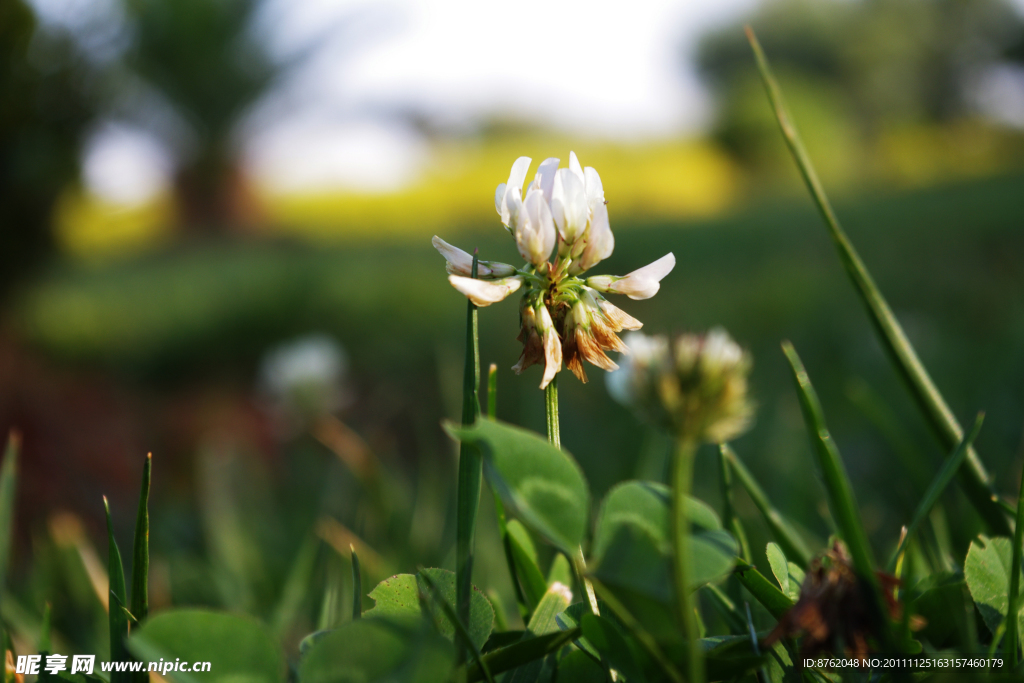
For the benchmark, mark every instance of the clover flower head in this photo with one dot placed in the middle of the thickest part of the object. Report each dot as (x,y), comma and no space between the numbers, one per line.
(560,226)
(694,385)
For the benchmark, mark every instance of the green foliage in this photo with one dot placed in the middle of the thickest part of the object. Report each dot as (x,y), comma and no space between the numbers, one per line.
(8,494)
(616,652)
(118,619)
(524,557)
(400,596)
(140,548)
(632,547)
(541,484)
(389,649)
(239,648)
(987,572)
(786,573)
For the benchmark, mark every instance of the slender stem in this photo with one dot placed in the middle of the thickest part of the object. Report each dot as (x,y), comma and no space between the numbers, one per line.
(579,565)
(551,398)
(1013,605)
(682,482)
(470,472)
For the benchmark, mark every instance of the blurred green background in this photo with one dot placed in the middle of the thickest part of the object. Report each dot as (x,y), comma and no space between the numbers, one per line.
(288,356)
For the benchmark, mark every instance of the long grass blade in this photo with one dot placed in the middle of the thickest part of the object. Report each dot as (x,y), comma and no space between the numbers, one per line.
(8,492)
(117,620)
(783,533)
(460,627)
(935,489)
(1011,643)
(357,585)
(470,470)
(764,591)
(639,633)
(140,548)
(975,480)
(840,493)
(730,520)
(44,629)
(523,652)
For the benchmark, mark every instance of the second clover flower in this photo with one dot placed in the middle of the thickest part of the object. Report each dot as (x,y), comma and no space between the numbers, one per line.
(561,229)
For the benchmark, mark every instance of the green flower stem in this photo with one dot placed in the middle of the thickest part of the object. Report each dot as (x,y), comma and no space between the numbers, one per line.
(551,399)
(470,472)
(579,565)
(682,482)
(1013,604)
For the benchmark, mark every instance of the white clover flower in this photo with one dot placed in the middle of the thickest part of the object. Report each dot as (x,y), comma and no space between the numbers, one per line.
(561,229)
(695,385)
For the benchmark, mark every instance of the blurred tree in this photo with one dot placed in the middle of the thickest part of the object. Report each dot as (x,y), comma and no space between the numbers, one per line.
(47,100)
(879,64)
(203,60)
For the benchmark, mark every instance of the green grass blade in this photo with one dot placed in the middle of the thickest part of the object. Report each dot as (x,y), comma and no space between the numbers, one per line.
(783,533)
(499,509)
(729,518)
(117,619)
(764,591)
(523,652)
(357,585)
(840,494)
(44,630)
(296,586)
(140,548)
(638,632)
(935,489)
(1013,605)
(975,480)
(8,492)
(725,607)
(460,629)
(470,470)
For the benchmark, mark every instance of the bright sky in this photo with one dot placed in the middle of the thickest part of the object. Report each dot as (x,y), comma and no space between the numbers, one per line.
(591,68)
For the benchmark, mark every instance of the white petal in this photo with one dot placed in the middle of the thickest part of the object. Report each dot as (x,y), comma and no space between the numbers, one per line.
(545,179)
(513,207)
(574,166)
(485,292)
(459,262)
(518,174)
(595,190)
(515,181)
(535,231)
(600,241)
(499,202)
(573,205)
(552,346)
(643,283)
